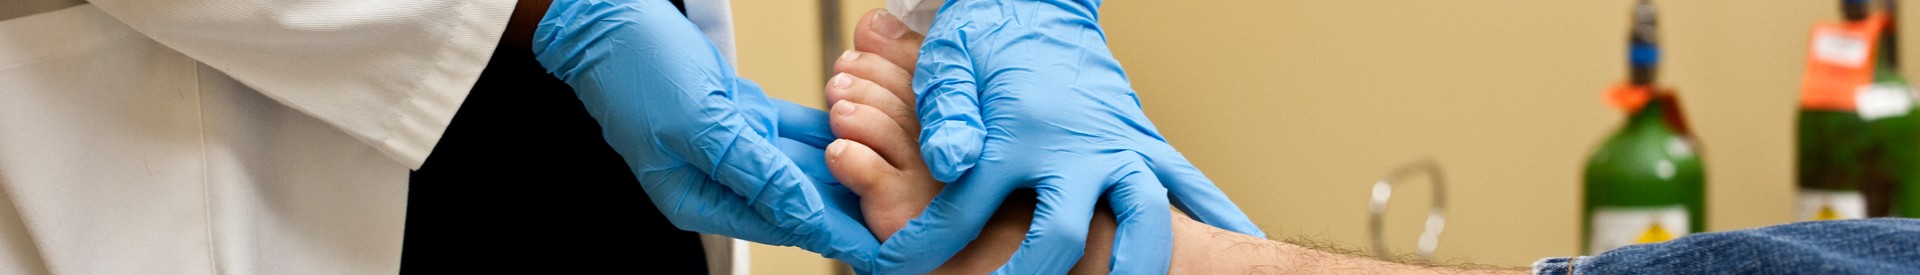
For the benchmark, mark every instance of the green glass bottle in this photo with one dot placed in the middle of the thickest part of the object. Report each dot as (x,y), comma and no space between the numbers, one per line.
(1646,182)
(1859,158)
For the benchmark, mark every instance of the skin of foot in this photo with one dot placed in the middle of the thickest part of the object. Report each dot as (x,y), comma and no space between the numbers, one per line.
(871,112)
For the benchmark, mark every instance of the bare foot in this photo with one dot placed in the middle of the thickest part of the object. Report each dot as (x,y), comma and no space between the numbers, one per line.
(877,156)
(881,164)
(879,159)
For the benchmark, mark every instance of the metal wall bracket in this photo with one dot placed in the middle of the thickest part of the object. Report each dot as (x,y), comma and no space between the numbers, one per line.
(1436,216)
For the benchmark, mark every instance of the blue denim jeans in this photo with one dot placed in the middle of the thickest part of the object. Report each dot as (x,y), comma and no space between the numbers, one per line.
(1873,246)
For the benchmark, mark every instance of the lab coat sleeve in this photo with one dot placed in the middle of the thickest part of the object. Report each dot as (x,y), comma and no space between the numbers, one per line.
(391,73)
(916,14)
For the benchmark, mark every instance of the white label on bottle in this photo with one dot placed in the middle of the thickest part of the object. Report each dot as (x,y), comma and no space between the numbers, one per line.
(1614,227)
(1882,101)
(1840,48)
(1824,205)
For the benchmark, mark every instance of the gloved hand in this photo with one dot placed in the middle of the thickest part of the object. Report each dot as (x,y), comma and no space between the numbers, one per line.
(711,150)
(1025,94)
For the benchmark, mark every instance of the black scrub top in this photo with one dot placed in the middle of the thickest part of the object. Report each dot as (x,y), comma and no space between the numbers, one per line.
(523,182)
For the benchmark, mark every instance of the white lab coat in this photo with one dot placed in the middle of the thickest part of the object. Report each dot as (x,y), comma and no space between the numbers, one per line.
(248,137)
(916,14)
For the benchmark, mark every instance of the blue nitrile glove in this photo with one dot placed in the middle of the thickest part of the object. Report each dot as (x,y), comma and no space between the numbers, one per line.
(1025,94)
(712,151)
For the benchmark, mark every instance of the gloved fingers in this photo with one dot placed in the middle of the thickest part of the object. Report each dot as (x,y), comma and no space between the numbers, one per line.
(750,166)
(953,219)
(693,203)
(761,113)
(1196,195)
(803,124)
(840,200)
(881,33)
(849,242)
(688,198)
(947,90)
(811,160)
(1143,239)
(952,133)
(892,78)
(842,236)
(1058,236)
(859,168)
(859,90)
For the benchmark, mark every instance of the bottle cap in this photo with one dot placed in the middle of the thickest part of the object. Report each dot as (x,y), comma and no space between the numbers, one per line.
(1643,47)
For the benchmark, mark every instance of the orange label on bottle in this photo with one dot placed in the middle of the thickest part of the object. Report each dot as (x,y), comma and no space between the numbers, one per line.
(1628,97)
(1839,62)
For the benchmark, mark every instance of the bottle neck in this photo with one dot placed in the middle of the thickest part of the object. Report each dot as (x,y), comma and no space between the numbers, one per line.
(1886,63)
(1652,114)
(1853,10)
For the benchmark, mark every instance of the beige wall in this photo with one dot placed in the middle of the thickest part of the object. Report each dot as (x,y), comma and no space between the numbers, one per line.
(1294,107)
